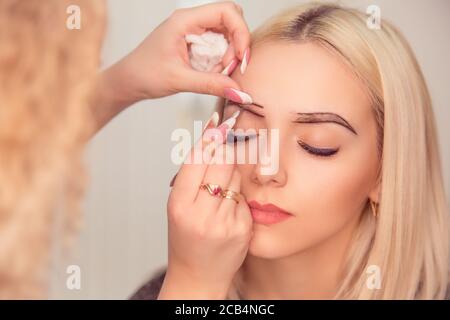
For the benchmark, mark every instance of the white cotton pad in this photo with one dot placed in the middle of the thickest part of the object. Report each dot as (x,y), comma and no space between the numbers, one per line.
(206,50)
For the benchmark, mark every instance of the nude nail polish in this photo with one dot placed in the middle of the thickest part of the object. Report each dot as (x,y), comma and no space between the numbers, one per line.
(237,96)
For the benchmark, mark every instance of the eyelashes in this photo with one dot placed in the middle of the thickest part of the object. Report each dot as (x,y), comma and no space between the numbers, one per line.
(245,108)
(321,152)
(235,138)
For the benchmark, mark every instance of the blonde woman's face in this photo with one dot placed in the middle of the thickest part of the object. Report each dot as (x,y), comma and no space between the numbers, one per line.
(327,147)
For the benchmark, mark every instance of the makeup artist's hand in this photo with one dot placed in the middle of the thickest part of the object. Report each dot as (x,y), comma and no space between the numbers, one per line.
(208,235)
(160,65)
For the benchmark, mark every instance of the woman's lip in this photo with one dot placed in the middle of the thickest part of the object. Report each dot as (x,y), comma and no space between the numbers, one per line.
(266,207)
(267,213)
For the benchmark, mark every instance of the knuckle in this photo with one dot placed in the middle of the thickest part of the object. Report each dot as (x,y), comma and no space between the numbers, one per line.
(175,211)
(239,8)
(174,202)
(177,12)
(228,6)
(172,205)
(231,8)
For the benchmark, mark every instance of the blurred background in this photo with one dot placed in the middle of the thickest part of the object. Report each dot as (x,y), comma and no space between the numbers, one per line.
(124,239)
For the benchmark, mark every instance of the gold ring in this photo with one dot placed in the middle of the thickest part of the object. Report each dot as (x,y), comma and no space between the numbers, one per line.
(217,191)
(213,189)
(233,195)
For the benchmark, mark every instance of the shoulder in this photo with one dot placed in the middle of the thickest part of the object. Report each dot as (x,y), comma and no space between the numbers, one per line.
(150,290)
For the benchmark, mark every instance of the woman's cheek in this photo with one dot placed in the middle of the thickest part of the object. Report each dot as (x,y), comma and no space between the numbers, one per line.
(324,194)
(335,192)
(325,197)
(335,188)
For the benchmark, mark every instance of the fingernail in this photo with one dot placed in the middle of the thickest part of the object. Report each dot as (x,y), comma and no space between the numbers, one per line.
(244,62)
(230,67)
(228,124)
(172,182)
(214,120)
(237,96)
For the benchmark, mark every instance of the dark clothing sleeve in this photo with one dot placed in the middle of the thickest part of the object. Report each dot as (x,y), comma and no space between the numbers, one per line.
(150,290)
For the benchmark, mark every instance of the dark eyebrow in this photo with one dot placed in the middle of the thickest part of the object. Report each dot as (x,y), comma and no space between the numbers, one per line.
(306,117)
(320,117)
(244,106)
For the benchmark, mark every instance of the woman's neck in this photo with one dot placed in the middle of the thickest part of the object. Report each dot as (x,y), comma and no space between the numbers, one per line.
(310,274)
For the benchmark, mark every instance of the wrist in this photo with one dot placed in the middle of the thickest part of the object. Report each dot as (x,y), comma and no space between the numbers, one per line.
(114,93)
(177,286)
(116,86)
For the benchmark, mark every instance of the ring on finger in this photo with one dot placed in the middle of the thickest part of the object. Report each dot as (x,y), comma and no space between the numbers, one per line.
(213,189)
(233,195)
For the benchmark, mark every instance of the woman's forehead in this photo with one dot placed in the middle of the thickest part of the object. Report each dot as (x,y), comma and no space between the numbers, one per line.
(303,77)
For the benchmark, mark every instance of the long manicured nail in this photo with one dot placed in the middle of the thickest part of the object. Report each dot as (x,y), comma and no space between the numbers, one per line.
(227,124)
(214,120)
(237,96)
(230,67)
(244,62)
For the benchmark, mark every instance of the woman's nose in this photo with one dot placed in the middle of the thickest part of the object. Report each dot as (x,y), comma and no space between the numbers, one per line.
(260,176)
(269,168)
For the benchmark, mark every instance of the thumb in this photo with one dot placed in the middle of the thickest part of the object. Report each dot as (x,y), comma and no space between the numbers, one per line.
(206,83)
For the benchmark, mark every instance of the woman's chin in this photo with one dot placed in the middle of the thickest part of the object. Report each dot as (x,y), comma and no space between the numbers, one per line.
(268,244)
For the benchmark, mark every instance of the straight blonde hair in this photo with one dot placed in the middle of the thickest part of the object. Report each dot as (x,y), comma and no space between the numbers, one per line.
(409,240)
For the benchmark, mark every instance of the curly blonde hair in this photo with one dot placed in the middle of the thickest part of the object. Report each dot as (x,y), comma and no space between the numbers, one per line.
(47,73)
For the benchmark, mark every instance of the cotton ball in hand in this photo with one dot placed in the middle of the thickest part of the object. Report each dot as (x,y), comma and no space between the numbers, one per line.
(206,50)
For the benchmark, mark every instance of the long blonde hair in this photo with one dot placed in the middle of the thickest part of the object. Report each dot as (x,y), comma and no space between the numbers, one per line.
(46,76)
(409,241)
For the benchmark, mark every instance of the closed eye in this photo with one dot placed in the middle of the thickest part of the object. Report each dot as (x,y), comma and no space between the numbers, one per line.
(321,152)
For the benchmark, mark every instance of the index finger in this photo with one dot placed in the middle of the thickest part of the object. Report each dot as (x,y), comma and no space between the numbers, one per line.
(191,173)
